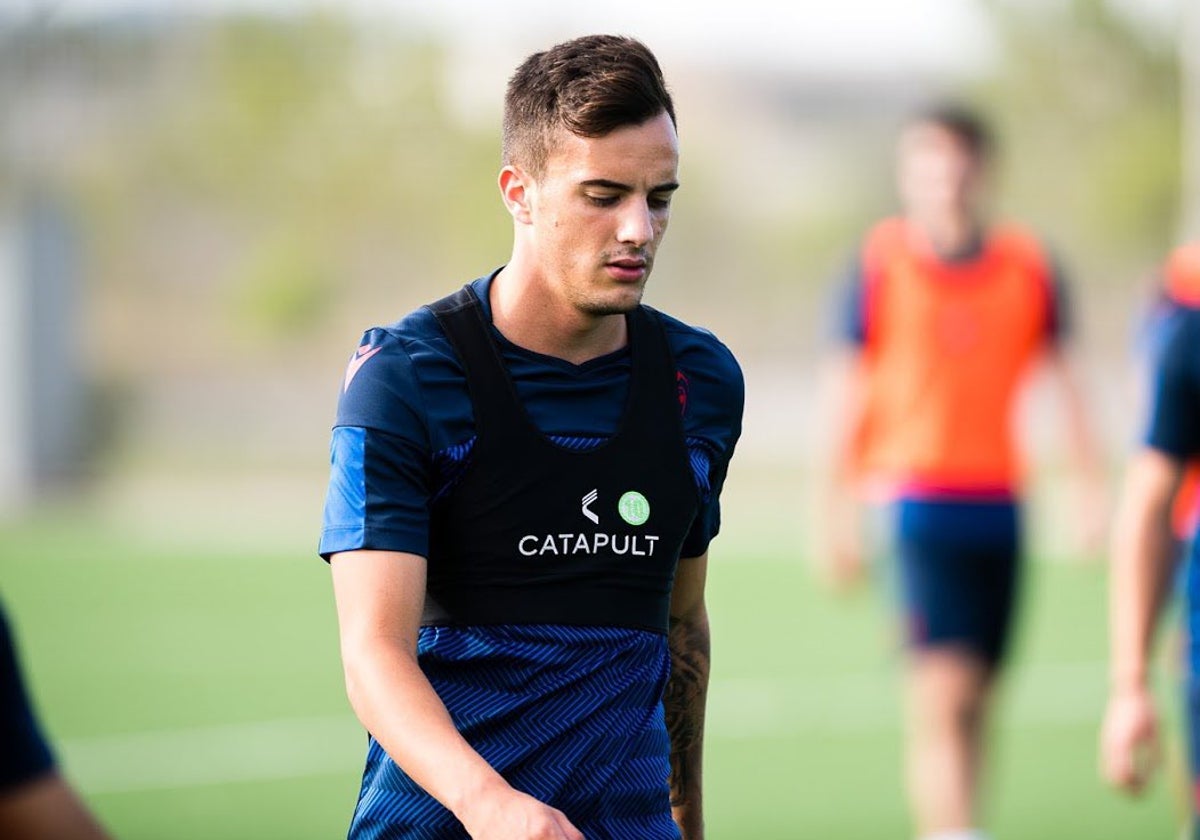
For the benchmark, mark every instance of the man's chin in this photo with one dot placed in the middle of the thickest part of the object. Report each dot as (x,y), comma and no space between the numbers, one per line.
(619,302)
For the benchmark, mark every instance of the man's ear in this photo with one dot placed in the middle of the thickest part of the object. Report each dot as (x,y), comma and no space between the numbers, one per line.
(515,189)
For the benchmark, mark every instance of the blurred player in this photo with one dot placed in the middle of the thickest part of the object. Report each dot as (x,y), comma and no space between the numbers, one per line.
(1158,512)
(35,802)
(518,470)
(944,316)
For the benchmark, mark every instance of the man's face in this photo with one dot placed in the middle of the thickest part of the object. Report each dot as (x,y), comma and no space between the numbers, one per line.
(599,210)
(937,173)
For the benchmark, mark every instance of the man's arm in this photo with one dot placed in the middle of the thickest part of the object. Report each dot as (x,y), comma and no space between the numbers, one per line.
(1091,502)
(844,392)
(36,802)
(687,692)
(1143,555)
(380,596)
(47,808)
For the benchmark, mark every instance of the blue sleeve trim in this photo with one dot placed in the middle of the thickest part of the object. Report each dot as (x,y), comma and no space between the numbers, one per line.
(334,540)
(378,495)
(345,518)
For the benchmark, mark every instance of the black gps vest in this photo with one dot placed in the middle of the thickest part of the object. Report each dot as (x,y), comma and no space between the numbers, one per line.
(534,533)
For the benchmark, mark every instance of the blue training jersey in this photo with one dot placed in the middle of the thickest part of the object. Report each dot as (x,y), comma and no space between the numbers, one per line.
(570,715)
(1173,427)
(1174,423)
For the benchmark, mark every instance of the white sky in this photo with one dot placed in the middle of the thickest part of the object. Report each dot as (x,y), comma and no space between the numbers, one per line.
(810,34)
(867,36)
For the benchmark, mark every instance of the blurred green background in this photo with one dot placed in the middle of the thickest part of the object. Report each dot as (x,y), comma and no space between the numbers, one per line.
(195,691)
(229,193)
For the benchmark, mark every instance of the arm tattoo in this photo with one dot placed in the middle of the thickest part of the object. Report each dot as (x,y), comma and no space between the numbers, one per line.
(683,704)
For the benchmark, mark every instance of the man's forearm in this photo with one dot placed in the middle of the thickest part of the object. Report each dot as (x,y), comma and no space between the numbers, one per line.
(684,703)
(1144,553)
(47,807)
(396,704)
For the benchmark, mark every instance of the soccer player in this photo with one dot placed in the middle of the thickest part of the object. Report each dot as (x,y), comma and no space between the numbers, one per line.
(525,482)
(36,803)
(1146,542)
(943,316)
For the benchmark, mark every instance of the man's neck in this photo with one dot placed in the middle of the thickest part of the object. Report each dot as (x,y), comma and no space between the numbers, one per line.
(528,314)
(951,236)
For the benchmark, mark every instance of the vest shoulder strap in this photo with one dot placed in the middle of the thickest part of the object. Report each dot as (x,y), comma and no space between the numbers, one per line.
(495,403)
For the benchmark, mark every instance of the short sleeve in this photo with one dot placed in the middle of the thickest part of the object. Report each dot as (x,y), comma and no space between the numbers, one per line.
(380,464)
(713,403)
(25,755)
(847,311)
(1174,424)
(708,520)
(1059,317)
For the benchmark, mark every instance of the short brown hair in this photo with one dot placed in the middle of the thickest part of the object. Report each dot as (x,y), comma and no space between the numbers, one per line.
(589,86)
(964,122)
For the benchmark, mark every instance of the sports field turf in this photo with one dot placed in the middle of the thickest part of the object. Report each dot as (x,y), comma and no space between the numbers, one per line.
(194,691)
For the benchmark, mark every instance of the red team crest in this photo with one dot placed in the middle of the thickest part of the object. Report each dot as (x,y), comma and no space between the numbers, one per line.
(681,390)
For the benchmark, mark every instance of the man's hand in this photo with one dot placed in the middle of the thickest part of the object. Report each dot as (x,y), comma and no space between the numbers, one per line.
(512,815)
(1129,746)
(380,595)
(842,567)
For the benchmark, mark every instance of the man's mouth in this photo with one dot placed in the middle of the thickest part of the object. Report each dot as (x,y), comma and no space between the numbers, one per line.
(627,268)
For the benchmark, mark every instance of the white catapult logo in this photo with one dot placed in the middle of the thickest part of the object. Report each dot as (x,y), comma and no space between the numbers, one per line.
(633,508)
(588,498)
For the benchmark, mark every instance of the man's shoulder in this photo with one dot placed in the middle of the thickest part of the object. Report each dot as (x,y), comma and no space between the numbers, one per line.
(416,339)
(705,362)
(1017,241)
(1176,356)
(698,344)
(419,325)
(394,348)
(392,367)
(419,333)
(883,241)
(1181,329)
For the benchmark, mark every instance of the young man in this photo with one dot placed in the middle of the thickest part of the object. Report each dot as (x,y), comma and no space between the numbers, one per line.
(943,317)
(525,483)
(1147,537)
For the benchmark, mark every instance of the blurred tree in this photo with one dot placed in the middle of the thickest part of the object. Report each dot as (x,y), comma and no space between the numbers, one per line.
(1087,101)
(1189,56)
(282,287)
(277,172)
(300,143)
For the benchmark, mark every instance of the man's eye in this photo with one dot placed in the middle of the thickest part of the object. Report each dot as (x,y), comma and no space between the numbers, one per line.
(602,200)
(659,202)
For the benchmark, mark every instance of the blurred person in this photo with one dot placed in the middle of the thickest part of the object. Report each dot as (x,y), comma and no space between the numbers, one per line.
(943,316)
(526,478)
(1155,528)
(36,803)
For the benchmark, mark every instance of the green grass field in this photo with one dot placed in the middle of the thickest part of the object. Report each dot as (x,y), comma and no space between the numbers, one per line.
(194,691)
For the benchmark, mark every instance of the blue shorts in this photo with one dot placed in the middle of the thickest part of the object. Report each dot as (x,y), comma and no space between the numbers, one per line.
(958,571)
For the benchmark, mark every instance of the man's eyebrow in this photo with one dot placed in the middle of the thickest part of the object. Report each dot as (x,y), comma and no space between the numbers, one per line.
(604,183)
